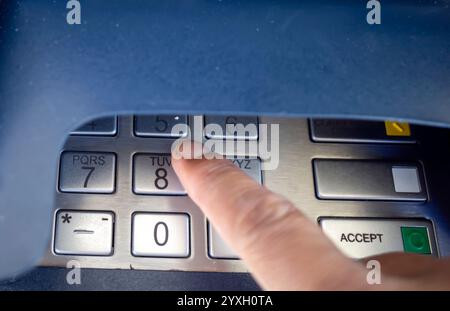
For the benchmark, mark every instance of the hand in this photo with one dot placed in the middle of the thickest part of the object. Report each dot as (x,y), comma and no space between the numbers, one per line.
(281,247)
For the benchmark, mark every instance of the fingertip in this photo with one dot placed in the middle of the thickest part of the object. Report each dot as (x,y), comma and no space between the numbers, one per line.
(183,150)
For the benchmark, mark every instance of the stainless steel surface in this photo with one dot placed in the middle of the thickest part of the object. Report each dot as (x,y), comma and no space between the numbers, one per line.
(106,126)
(160,126)
(84,233)
(354,131)
(88,172)
(226,127)
(364,180)
(160,235)
(359,238)
(217,248)
(153,174)
(293,179)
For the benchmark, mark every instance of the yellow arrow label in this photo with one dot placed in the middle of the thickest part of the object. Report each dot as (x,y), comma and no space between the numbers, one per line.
(394,128)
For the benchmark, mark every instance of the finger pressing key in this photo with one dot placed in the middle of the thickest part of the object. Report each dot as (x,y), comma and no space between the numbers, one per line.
(281,247)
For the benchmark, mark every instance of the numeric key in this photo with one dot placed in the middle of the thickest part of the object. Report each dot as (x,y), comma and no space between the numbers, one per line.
(87,172)
(231,127)
(251,166)
(160,235)
(161,126)
(153,174)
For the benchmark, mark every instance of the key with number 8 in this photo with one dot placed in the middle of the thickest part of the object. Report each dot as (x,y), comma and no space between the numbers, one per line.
(153,174)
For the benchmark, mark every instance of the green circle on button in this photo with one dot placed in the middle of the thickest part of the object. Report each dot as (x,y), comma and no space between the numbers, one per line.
(416,240)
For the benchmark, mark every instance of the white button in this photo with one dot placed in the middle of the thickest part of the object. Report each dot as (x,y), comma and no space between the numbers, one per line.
(406,179)
(160,235)
(87,172)
(84,233)
(153,174)
(217,248)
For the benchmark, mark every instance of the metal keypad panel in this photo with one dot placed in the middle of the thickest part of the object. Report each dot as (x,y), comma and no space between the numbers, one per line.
(131,212)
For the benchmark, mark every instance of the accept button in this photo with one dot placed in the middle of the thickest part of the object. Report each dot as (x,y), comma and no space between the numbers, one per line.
(415,240)
(366,237)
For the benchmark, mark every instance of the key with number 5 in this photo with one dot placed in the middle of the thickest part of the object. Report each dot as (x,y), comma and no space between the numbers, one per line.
(161,126)
(87,172)
(153,174)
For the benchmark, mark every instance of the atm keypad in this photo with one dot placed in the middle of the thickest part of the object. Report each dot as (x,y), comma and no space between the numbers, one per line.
(120,201)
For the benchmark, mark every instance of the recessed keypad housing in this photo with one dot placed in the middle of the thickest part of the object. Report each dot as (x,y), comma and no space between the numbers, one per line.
(120,205)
